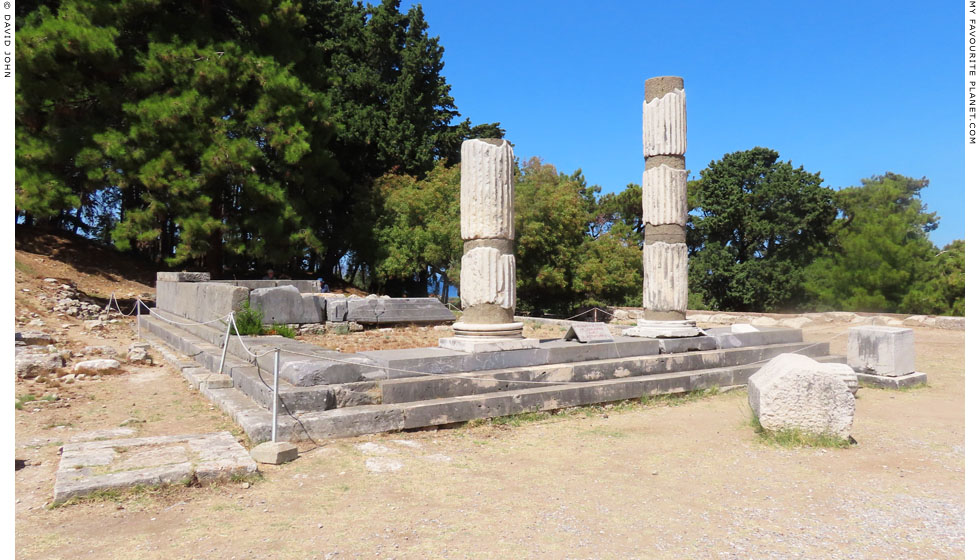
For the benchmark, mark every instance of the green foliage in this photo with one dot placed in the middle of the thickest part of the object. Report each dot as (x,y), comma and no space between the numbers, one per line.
(610,268)
(418,230)
(20,401)
(797,438)
(231,135)
(756,223)
(552,211)
(884,260)
(248,319)
(283,330)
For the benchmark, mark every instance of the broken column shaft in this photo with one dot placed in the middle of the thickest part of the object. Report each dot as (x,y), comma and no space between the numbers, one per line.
(664,211)
(487,285)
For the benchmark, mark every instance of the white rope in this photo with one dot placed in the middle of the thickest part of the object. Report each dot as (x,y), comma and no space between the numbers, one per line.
(241,341)
(172,322)
(588,311)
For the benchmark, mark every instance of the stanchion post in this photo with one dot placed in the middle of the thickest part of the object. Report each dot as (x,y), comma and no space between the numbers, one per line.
(275,397)
(224,347)
(139,330)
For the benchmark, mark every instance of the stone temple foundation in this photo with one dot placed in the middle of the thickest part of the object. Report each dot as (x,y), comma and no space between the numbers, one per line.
(487,285)
(664,212)
(486,368)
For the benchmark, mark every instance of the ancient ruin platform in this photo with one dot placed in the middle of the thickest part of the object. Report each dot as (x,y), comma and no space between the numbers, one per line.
(331,394)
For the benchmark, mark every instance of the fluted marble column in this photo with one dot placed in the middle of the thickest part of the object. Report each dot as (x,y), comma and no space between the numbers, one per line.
(664,212)
(487,277)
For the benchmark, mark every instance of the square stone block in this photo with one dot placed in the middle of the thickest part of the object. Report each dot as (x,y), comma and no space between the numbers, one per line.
(274,453)
(888,351)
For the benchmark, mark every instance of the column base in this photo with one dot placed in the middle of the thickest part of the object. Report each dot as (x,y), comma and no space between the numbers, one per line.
(664,329)
(477,344)
(488,337)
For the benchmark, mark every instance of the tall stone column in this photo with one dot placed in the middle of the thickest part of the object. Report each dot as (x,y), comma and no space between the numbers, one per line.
(664,212)
(487,285)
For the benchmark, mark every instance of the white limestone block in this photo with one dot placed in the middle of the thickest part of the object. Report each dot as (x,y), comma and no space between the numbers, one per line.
(881,350)
(665,276)
(486,190)
(487,276)
(665,125)
(795,392)
(665,196)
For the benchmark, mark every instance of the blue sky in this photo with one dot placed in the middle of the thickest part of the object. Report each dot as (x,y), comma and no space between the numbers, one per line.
(849,89)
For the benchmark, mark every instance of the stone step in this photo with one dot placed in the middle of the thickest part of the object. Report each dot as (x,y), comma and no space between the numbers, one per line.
(250,379)
(359,420)
(256,383)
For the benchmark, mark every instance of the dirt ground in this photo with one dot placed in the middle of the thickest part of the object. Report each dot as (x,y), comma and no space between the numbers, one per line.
(636,481)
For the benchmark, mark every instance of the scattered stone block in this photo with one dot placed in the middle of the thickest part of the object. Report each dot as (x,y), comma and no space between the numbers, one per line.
(955,323)
(841,316)
(763,322)
(881,350)
(120,463)
(183,277)
(139,353)
(794,392)
(98,367)
(100,351)
(274,453)
(34,338)
(380,311)
(796,322)
(33,364)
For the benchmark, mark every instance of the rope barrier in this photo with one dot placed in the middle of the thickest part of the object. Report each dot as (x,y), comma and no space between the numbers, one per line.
(594,309)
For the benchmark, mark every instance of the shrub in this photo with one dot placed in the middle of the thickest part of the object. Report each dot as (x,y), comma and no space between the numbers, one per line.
(249,320)
(284,330)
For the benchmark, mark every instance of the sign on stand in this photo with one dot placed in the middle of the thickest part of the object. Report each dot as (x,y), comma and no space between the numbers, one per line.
(589,332)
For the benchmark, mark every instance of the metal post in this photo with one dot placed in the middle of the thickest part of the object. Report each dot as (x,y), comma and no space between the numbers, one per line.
(139,331)
(224,347)
(275,397)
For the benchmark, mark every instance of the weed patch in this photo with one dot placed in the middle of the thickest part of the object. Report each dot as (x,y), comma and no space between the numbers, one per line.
(284,330)
(798,438)
(249,319)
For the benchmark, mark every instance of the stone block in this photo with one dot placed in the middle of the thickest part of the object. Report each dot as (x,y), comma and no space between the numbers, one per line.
(34,338)
(97,367)
(28,365)
(881,350)
(315,309)
(336,310)
(183,277)
(286,305)
(118,463)
(796,392)
(796,322)
(200,301)
(380,311)
(274,453)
